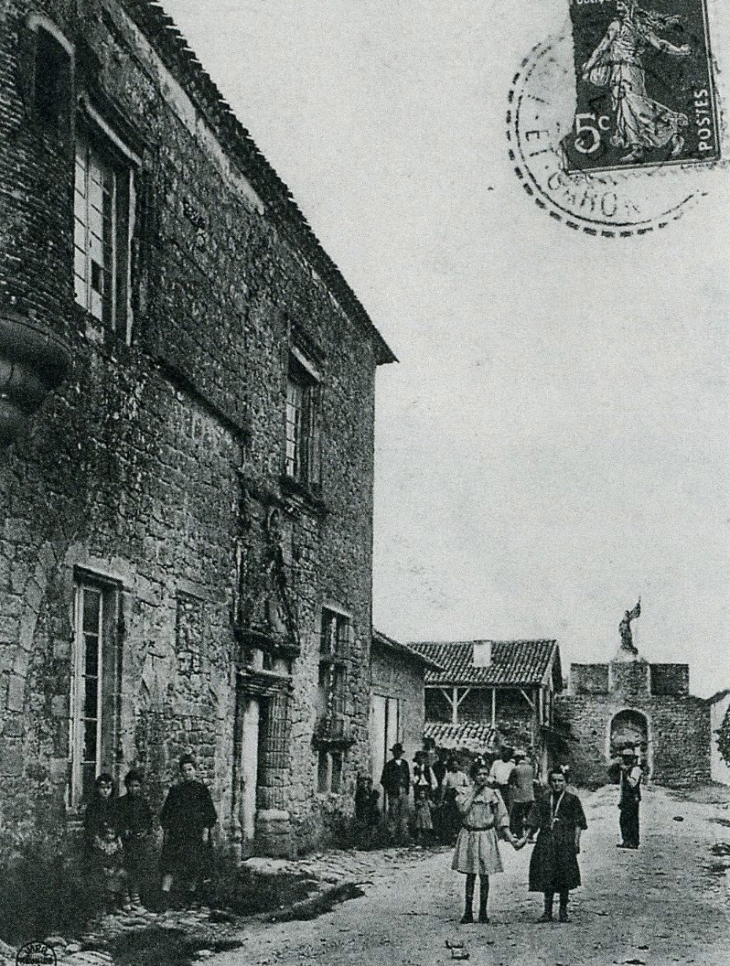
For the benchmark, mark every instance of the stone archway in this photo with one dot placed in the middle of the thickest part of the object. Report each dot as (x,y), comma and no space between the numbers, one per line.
(630,728)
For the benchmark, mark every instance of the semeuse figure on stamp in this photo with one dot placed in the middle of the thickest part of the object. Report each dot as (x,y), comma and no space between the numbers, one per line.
(187,819)
(483,816)
(642,124)
(559,820)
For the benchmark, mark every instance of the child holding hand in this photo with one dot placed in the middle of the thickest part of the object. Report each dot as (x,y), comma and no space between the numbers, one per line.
(483,815)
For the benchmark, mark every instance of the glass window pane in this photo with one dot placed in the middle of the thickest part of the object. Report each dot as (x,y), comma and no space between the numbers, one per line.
(90,740)
(91,686)
(88,774)
(91,657)
(92,607)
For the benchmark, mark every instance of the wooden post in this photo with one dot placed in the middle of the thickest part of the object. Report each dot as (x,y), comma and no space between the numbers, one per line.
(455,707)
(494,708)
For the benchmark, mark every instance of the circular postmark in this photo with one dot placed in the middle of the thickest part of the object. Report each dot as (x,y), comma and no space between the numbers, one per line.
(608,204)
(36,953)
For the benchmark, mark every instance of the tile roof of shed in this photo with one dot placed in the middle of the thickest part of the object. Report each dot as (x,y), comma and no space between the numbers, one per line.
(471,736)
(513,662)
(393,645)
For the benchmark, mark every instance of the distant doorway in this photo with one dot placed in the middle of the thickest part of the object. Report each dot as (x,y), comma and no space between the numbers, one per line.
(630,728)
(384,731)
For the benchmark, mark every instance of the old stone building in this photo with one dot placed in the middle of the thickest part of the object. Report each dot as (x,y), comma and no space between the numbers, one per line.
(492,693)
(186,399)
(630,702)
(397,699)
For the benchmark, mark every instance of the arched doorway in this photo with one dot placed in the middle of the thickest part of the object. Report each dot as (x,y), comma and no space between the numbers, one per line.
(630,728)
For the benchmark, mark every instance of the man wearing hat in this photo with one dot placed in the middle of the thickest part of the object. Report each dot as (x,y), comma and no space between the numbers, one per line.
(522,792)
(629,779)
(396,782)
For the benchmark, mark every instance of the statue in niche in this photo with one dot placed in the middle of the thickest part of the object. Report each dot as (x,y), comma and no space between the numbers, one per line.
(624,628)
(264,605)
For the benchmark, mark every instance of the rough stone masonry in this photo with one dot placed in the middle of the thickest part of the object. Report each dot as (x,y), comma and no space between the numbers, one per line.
(188,399)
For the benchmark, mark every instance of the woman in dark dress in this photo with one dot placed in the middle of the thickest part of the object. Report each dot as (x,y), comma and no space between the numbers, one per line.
(554,862)
(187,818)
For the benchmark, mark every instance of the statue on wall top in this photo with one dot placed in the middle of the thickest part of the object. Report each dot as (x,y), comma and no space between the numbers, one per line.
(624,628)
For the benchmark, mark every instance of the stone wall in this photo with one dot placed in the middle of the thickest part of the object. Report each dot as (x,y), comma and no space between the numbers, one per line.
(720,768)
(133,472)
(677,726)
(394,674)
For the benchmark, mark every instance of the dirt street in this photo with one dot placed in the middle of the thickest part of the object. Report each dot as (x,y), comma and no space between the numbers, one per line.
(667,903)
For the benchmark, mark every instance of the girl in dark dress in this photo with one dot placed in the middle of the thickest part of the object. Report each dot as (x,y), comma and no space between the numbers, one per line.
(100,811)
(187,818)
(134,821)
(554,862)
(99,827)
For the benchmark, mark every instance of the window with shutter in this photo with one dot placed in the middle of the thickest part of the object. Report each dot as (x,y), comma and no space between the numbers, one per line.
(103,200)
(303,443)
(95,685)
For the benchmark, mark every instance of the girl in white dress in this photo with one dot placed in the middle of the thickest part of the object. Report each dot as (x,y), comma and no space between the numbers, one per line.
(483,815)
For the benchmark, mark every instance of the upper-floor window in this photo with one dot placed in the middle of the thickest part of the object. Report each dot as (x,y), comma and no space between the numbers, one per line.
(333,660)
(95,685)
(103,196)
(302,422)
(52,81)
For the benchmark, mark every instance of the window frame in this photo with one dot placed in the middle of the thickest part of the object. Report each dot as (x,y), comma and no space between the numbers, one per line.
(108,687)
(302,422)
(97,145)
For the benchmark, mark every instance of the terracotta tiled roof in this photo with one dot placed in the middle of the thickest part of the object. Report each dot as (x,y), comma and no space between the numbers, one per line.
(393,645)
(512,662)
(168,41)
(469,736)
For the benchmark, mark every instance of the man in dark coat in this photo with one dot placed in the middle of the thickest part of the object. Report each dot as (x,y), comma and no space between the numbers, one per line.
(187,818)
(396,782)
(628,774)
(554,862)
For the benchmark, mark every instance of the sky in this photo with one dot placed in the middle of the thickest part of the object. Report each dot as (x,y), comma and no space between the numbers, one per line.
(553,442)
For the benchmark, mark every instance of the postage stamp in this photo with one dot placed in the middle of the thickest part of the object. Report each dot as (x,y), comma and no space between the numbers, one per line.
(613,202)
(644,85)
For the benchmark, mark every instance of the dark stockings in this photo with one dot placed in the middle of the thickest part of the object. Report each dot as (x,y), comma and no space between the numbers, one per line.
(469,897)
(563,904)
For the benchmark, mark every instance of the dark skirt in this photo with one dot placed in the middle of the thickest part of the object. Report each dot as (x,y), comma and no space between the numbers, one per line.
(187,857)
(554,863)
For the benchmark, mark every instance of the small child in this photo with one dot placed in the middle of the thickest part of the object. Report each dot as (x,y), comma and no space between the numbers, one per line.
(423,808)
(367,812)
(134,821)
(109,854)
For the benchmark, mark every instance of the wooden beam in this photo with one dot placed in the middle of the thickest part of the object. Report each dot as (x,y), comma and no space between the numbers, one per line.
(527,698)
(451,704)
(466,691)
(455,707)
(494,708)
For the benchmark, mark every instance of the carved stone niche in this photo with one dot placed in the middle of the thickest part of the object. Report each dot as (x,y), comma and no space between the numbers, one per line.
(33,362)
(265,609)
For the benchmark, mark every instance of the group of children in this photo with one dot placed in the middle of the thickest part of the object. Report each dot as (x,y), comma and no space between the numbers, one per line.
(116,833)
(118,838)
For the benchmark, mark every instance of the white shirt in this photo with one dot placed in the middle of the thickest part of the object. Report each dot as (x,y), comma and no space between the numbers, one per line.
(501,771)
